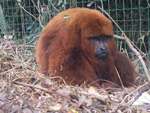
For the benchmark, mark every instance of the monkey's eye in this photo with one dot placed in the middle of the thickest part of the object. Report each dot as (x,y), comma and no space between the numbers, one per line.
(106,39)
(94,40)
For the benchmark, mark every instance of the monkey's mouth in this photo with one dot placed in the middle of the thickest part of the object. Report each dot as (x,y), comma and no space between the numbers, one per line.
(102,55)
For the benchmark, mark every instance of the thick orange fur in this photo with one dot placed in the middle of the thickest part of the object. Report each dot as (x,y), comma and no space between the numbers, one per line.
(64,49)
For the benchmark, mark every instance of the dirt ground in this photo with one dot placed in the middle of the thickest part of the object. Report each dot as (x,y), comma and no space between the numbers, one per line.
(24,90)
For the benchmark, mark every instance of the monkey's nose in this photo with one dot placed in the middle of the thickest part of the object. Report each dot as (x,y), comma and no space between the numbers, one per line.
(102,48)
(102,52)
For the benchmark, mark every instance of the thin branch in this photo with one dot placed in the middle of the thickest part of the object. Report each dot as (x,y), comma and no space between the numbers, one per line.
(30,14)
(38,87)
(128,41)
(137,54)
(140,90)
(102,4)
(54,6)
(27,11)
(119,77)
(31,108)
(3,31)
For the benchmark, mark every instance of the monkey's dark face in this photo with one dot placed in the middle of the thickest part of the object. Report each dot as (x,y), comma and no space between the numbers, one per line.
(101,43)
(97,41)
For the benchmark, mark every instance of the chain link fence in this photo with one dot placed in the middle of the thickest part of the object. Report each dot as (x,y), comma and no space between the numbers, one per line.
(23,20)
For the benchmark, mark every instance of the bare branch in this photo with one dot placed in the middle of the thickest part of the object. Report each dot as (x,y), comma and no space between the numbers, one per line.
(128,41)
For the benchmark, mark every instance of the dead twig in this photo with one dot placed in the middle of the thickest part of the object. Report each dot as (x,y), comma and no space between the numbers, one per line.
(31,108)
(54,6)
(119,77)
(137,91)
(40,88)
(144,88)
(137,54)
(128,41)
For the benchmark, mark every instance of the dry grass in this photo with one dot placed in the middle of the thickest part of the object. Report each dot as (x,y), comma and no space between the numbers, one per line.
(23,89)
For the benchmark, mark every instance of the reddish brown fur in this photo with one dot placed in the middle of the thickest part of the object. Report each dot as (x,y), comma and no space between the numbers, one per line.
(125,69)
(64,49)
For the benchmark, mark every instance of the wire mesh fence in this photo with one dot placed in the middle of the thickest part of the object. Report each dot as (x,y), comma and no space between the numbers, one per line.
(23,20)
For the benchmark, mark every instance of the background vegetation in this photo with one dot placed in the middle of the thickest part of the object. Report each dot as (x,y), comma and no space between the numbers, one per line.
(24,19)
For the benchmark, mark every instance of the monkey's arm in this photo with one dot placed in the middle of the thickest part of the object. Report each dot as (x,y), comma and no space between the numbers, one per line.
(125,69)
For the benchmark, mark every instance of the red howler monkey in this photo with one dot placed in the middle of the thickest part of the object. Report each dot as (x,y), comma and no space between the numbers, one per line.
(81,48)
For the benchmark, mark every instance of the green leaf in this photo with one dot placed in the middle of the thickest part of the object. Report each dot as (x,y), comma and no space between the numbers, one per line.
(59,2)
(74,111)
(54,108)
(27,37)
(3,23)
(66,16)
(29,27)
(141,38)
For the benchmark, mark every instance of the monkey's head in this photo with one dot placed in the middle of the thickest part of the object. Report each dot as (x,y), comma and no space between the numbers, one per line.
(101,43)
(97,39)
